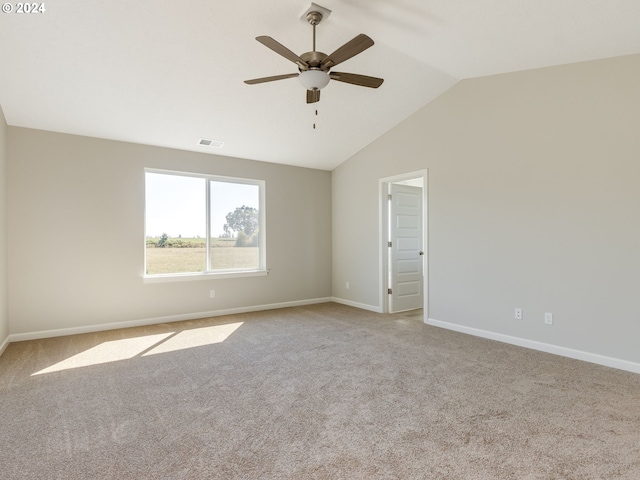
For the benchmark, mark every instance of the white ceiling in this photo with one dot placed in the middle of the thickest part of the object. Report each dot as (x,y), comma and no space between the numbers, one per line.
(167,73)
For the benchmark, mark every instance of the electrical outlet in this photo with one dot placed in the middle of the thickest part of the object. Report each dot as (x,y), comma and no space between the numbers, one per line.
(518,314)
(347,285)
(548,318)
(212,294)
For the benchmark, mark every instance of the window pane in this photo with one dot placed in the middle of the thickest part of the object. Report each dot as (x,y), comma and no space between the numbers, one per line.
(235,235)
(175,224)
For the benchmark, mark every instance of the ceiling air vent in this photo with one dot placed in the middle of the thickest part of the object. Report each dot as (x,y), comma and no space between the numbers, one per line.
(210,143)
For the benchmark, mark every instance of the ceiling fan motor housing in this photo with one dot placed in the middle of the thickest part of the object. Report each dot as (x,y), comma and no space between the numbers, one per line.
(314,59)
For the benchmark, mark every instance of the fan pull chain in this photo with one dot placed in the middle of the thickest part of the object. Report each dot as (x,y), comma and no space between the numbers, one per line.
(314,125)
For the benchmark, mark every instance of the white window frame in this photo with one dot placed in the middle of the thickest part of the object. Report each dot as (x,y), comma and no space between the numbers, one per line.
(209,274)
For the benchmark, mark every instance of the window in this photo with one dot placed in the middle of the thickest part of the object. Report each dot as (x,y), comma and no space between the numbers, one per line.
(202,224)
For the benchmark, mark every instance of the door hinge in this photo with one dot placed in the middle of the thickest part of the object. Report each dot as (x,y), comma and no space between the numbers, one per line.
(389,244)
(389,197)
(390,291)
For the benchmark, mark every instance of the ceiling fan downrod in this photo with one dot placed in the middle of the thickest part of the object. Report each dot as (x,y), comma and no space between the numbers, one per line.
(314,18)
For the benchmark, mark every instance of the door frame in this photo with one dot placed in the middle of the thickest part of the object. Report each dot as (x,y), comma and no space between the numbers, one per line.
(383,228)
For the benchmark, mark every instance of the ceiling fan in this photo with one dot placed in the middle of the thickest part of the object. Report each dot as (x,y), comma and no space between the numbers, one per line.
(315,67)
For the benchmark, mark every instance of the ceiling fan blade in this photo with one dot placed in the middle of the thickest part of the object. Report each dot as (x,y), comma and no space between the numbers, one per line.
(354,79)
(270,79)
(282,50)
(313,96)
(350,49)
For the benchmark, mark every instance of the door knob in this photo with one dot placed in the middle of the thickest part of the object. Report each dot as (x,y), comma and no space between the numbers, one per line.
(421,253)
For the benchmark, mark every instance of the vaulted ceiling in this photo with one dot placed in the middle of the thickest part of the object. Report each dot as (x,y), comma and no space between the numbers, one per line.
(169,73)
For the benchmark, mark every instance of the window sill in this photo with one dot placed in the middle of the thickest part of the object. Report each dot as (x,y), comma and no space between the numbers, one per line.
(189,277)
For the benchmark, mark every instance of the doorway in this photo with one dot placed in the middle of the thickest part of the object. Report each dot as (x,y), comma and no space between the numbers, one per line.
(403,240)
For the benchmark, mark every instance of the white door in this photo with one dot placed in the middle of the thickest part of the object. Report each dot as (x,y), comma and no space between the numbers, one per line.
(405,248)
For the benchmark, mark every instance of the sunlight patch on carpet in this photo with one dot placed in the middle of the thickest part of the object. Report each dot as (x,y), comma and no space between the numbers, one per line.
(198,337)
(107,352)
(127,348)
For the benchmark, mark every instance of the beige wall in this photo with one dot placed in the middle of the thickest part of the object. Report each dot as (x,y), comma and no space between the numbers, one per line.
(534,194)
(76,228)
(4,319)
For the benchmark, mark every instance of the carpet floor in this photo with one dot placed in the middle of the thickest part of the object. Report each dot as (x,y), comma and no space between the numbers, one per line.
(318,392)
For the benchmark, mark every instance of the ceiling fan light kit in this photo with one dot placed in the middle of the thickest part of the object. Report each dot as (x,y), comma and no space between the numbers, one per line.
(314,79)
(314,68)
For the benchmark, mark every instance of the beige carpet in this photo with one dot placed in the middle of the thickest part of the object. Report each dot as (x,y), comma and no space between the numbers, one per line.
(318,392)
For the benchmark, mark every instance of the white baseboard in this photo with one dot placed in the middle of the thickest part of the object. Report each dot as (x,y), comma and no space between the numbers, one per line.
(363,306)
(543,347)
(18,337)
(5,344)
